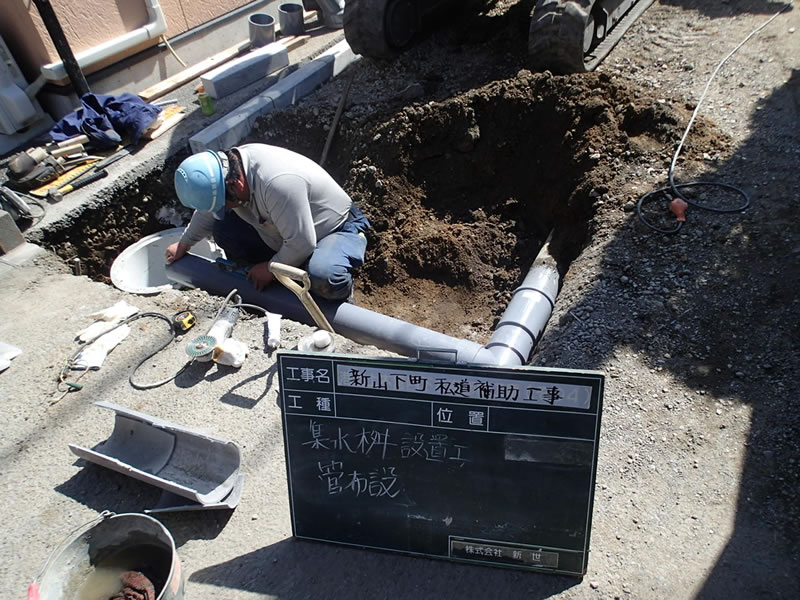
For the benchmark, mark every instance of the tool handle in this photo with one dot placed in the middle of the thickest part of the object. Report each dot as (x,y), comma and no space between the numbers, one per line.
(281,270)
(82,181)
(17,202)
(78,139)
(286,275)
(66,150)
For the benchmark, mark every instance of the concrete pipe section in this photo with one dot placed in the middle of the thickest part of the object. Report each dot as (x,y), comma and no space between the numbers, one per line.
(510,345)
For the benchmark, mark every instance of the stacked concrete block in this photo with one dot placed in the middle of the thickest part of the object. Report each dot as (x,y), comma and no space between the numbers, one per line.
(233,127)
(243,71)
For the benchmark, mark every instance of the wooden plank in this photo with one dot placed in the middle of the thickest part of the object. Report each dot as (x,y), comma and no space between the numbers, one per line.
(172,118)
(294,41)
(193,72)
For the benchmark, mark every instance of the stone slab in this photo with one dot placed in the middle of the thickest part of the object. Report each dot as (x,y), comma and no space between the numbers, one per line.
(247,69)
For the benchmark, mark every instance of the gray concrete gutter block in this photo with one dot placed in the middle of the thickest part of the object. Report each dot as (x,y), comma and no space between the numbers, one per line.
(214,136)
(236,125)
(302,82)
(245,70)
(184,462)
(233,127)
(343,56)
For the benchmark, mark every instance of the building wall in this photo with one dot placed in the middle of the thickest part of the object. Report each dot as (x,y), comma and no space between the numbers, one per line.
(87,23)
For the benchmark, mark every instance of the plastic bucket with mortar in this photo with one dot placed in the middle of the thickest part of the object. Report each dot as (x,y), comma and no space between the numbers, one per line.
(90,564)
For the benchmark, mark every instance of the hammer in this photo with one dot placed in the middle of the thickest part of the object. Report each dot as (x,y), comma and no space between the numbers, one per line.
(57,194)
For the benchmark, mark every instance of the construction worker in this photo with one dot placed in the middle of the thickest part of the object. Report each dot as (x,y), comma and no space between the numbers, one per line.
(267,204)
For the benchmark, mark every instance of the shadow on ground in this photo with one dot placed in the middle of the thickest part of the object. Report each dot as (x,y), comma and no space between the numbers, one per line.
(718,305)
(297,569)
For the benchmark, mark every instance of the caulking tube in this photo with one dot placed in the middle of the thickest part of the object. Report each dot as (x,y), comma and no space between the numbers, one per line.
(273,330)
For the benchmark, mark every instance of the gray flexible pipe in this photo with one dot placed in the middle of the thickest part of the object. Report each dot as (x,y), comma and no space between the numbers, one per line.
(510,345)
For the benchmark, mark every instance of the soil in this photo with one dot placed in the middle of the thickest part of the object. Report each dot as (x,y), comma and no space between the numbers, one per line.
(465,162)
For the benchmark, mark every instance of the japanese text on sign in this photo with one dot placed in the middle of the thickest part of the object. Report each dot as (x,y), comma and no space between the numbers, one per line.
(449,385)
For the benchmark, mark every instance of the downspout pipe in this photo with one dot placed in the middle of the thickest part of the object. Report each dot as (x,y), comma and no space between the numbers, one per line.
(69,64)
(510,345)
(153,29)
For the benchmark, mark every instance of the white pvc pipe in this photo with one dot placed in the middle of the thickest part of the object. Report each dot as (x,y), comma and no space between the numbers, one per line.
(153,29)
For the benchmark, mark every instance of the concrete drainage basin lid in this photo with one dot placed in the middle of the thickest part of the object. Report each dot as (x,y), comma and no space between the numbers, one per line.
(140,269)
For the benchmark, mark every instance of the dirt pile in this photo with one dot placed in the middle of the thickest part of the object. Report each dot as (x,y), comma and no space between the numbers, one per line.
(463,192)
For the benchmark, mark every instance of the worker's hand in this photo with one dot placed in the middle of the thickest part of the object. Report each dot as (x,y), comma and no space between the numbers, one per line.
(176,251)
(260,275)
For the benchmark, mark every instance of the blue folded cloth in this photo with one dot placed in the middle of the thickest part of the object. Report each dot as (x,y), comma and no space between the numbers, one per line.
(106,119)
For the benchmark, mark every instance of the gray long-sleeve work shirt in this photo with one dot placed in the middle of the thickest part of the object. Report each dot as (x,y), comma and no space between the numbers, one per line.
(293,203)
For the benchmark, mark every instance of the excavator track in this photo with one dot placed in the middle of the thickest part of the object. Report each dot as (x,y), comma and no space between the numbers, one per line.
(565,36)
(382,28)
(574,36)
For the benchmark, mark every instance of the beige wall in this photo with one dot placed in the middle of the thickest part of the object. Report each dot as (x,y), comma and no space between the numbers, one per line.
(87,23)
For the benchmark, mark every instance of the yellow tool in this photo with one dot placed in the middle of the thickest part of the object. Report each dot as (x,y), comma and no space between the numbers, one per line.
(288,276)
(184,321)
(57,194)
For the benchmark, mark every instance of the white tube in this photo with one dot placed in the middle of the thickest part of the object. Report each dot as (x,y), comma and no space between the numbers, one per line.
(273,330)
(154,29)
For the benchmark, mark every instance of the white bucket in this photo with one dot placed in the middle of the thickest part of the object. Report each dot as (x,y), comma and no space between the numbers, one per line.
(140,269)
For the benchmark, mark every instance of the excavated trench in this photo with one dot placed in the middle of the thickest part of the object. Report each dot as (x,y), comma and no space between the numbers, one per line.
(461,193)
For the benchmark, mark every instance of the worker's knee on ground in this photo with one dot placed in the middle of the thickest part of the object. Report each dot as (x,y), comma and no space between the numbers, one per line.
(331,283)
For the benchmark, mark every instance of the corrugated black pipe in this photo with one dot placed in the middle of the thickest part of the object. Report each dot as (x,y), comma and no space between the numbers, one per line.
(62,47)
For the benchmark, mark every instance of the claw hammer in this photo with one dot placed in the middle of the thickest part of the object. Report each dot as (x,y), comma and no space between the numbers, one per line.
(57,194)
(289,276)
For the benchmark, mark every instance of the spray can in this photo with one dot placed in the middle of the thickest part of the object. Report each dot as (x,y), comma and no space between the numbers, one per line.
(206,105)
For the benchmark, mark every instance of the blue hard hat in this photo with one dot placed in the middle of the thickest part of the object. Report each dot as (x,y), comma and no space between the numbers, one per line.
(200,182)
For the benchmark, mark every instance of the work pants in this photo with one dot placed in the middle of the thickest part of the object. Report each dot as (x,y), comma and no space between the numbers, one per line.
(330,267)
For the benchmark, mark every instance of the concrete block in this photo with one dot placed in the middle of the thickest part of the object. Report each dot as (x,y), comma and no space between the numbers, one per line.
(10,236)
(233,127)
(343,56)
(243,71)
(302,82)
(236,125)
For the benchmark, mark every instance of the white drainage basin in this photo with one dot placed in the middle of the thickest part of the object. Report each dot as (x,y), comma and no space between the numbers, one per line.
(140,267)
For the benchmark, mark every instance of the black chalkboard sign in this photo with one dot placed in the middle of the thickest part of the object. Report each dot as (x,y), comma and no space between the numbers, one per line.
(470,463)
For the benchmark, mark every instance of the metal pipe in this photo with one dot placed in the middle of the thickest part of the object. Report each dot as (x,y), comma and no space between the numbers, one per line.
(153,29)
(511,344)
(69,65)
